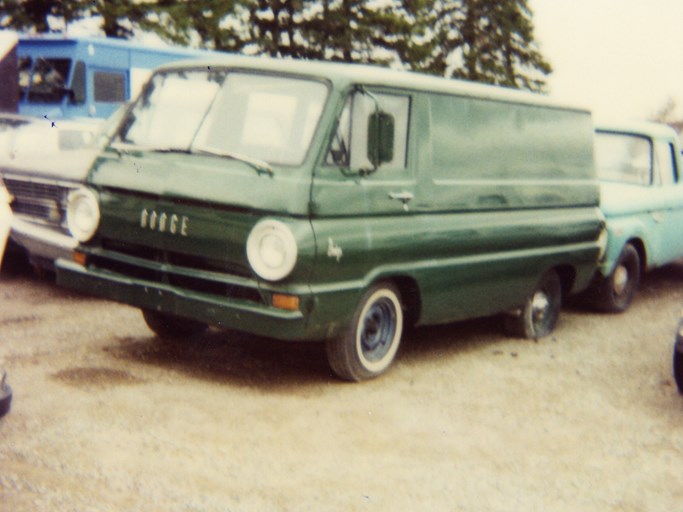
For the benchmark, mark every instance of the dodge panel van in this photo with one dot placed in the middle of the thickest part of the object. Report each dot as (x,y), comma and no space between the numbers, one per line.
(319,201)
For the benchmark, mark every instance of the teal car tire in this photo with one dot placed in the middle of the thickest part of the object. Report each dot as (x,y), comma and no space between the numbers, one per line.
(369,343)
(616,291)
(678,365)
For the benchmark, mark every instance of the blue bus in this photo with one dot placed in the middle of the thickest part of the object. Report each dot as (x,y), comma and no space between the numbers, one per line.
(73,77)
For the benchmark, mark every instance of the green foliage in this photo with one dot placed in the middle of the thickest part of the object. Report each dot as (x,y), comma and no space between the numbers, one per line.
(488,41)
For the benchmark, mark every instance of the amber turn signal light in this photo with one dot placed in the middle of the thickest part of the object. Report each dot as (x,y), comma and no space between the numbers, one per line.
(288,302)
(80,257)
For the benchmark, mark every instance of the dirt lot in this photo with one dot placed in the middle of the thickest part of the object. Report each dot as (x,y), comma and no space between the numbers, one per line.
(105,417)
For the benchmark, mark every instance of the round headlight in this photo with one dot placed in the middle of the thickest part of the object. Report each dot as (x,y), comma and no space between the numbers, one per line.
(83,214)
(271,250)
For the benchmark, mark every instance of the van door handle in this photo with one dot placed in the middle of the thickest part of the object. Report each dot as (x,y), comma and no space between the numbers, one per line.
(404,197)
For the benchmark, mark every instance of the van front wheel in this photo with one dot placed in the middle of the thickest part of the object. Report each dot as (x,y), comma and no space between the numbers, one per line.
(172,327)
(539,314)
(368,345)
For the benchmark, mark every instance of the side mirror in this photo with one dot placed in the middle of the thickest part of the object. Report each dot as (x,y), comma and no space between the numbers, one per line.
(77,91)
(380,138)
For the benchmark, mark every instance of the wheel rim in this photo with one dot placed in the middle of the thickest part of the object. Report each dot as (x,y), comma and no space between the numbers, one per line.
(540,307)
(378,330)
(620,280)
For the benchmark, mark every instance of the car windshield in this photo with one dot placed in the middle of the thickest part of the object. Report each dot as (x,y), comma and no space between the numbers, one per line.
(623,157)
(213,111)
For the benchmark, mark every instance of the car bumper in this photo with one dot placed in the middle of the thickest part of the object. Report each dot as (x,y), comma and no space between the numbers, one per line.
(5,216)
(41,242)
(316,319)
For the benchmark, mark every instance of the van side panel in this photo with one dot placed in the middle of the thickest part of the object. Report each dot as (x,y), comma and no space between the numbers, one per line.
(464,265)
(490,155)
(502,192)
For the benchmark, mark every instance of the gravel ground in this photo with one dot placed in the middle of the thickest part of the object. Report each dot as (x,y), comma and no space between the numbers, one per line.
(106,417)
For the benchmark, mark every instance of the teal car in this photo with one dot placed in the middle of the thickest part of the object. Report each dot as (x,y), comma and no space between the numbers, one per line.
(641,196)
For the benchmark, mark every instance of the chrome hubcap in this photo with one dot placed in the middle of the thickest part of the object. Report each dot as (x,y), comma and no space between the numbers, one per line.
(539,306)
(620,279)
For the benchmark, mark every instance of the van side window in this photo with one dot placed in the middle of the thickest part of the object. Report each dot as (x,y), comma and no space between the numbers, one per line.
(666,161)
(349,144)
(110,87)
(623,157)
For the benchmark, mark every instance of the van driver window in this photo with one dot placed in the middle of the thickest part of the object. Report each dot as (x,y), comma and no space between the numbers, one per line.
(348,147)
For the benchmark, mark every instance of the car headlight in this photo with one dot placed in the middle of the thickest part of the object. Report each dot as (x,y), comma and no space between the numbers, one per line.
(83,214)
(271,250)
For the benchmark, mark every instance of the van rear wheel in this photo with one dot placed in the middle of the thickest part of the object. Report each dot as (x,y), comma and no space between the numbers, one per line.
(168,326)
(368,345)
(541,309)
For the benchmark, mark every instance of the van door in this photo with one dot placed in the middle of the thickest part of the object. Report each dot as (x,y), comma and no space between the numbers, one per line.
(349,182)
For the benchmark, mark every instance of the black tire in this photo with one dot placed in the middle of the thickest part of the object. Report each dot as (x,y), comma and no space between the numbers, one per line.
(616,292)
(172,327)
(368,345)
(5,395)
(678,366)
(539,313)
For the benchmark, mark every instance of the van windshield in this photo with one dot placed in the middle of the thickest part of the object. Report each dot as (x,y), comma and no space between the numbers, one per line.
(265,117)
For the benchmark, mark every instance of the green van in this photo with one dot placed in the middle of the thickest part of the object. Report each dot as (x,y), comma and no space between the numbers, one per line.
(319,201)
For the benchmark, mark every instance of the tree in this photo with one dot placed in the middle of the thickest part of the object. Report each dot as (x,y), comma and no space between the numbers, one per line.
(487,41)
(481,40)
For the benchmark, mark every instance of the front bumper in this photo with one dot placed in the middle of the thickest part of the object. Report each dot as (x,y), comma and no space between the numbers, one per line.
(42,242)
(312,322)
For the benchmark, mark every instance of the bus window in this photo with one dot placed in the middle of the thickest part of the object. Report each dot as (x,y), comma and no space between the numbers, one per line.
(110,87)
(49,80)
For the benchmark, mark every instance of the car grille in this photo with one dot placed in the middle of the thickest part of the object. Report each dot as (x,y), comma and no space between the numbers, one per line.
(42,201)
(182,271)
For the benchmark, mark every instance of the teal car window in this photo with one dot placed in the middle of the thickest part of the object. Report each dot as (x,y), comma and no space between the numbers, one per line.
(623,157)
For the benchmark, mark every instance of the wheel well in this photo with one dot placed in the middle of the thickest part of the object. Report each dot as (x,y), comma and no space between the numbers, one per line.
(639,246)
(411,297)
(567,276)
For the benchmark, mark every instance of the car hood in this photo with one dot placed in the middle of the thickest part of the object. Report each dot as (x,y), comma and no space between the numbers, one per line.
(72,165)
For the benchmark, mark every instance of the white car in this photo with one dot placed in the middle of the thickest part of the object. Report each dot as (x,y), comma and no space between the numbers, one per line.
(41,165)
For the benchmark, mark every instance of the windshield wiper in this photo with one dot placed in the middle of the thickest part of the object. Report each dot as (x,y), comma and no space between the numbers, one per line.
(127,147)
(260,166)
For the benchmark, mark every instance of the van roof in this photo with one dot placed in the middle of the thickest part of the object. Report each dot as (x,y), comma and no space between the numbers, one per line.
(346,74)
(648,128)
(108,42)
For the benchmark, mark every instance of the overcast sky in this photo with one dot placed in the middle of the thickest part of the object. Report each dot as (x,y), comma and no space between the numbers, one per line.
(621,58)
